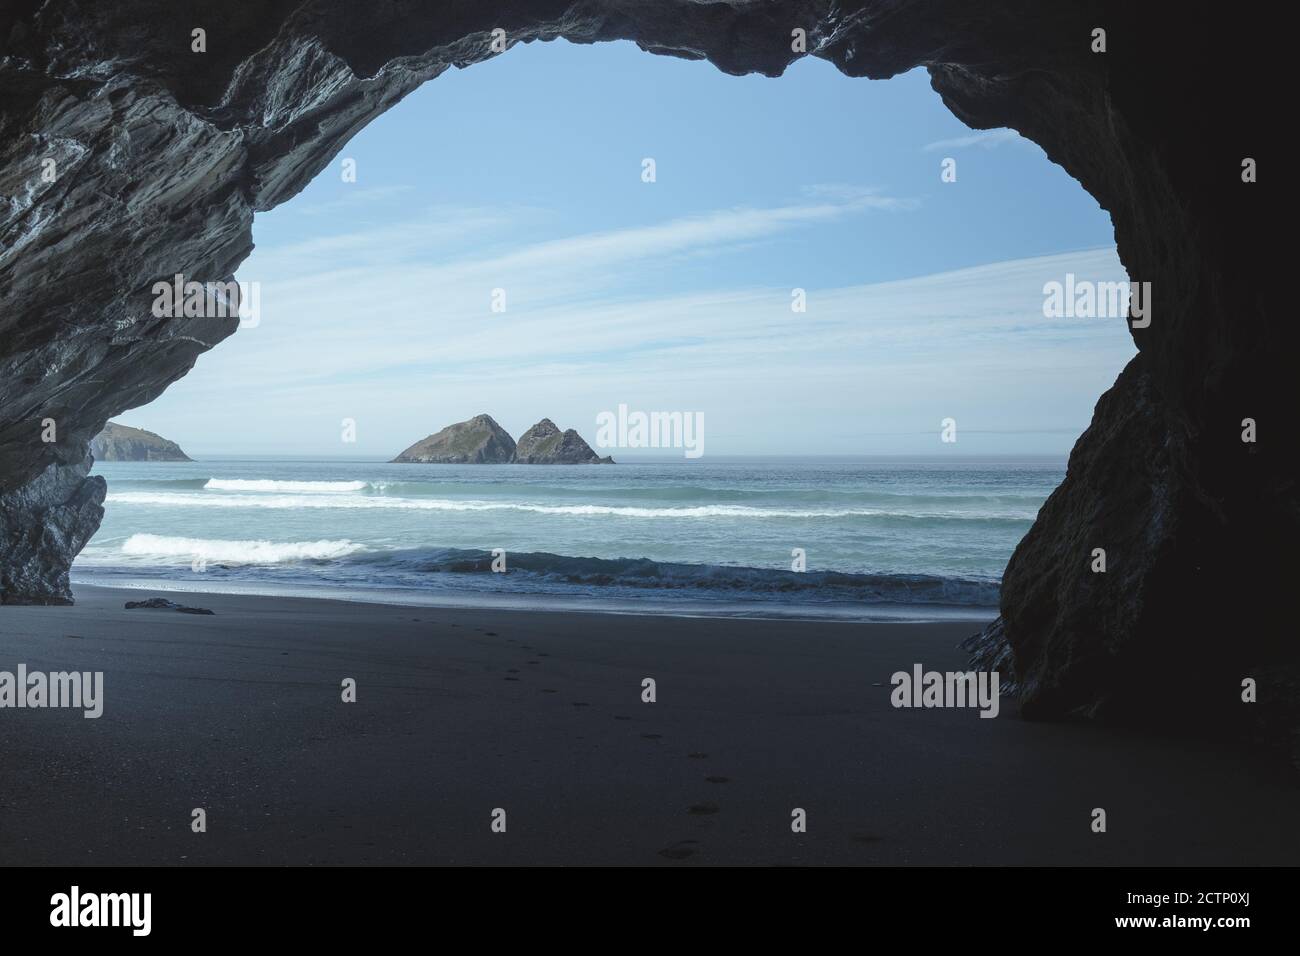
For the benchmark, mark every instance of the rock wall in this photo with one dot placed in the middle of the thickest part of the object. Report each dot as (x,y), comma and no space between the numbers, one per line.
(164,155)
(42,525)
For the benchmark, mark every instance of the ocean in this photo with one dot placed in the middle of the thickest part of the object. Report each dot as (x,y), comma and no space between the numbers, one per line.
(880,538)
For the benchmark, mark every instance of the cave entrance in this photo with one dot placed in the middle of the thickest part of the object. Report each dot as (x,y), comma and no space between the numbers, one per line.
(834,280)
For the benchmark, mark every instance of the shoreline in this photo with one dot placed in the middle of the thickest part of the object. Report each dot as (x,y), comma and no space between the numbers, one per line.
(557,603)
(462,711)
(888,542)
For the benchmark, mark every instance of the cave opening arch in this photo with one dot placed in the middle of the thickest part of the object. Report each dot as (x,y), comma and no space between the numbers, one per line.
(175,154)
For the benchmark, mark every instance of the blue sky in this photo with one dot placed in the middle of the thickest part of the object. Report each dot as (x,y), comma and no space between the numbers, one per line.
(524,173)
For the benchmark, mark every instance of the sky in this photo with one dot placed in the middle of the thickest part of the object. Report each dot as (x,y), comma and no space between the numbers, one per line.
(525,174)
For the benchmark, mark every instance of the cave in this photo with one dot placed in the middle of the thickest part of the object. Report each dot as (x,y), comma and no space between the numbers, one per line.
(165,154)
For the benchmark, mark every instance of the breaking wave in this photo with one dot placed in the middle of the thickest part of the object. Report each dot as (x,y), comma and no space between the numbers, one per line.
(266,484)
(345,563)
(222,551)
(643,574)
(354,501)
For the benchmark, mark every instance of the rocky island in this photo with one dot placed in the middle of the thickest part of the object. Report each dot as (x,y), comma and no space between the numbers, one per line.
(545,444)
(124,443)
(481,441)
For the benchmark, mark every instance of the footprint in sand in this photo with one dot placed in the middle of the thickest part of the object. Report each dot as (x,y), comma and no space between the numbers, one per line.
(678,851)
(702,809)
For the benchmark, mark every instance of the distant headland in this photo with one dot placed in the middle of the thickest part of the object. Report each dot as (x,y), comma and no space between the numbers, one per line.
(124,443)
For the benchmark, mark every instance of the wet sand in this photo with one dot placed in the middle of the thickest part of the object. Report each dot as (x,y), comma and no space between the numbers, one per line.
(461,712)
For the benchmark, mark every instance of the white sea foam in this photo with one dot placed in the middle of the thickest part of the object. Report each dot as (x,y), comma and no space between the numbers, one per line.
(266,484)
(288,501)
(221,551)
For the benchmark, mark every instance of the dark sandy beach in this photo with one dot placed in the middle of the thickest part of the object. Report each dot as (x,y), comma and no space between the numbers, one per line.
(459,712)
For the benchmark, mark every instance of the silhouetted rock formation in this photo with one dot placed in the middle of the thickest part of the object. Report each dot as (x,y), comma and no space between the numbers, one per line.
(44,524)
(124,443)
(545,444)
(163,155)
(479,441)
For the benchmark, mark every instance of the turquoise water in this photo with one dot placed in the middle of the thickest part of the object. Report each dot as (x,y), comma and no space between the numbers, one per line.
(887,537)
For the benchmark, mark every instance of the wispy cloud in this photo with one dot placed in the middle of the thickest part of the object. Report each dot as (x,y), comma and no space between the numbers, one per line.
(439,233)
(985,139)
(394,328)
(857,197)
(354,199)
